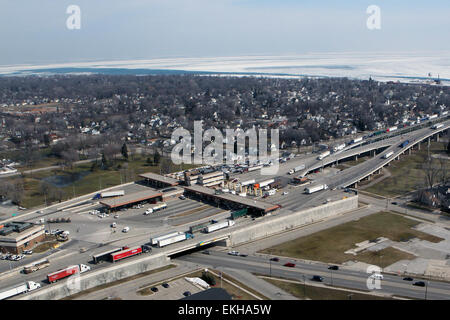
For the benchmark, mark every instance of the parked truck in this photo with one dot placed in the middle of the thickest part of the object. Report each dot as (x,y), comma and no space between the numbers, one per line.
(315,188)
(323,155)
(64,273)
(296,169)
(19,289)
(35,266)
(180,237)
(387,155)
(219,225)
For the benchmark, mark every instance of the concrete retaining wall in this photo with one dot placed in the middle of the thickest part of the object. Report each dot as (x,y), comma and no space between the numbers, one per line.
(91,279)
(275,224)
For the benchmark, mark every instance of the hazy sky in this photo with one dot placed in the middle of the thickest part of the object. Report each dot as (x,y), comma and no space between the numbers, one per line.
(34,31)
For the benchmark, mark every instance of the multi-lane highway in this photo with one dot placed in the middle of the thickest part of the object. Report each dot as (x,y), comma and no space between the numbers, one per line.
(344,277)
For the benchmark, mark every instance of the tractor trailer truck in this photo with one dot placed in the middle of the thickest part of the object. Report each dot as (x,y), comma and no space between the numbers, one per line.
(219,225)
(38,265)
(180,237)
(315,188)
(22,288)
(296,169)
(64,273)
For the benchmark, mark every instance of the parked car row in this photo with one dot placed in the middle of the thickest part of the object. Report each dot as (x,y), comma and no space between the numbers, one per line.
(12,257)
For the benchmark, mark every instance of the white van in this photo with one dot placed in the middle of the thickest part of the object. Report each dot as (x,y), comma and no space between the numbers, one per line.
(126,229)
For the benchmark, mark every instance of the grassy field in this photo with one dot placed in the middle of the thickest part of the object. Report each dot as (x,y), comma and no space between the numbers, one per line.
(329,245)
(407,173)
(90,182)
(319,293)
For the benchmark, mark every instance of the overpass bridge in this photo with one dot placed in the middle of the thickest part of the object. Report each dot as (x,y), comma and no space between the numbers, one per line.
(353,175)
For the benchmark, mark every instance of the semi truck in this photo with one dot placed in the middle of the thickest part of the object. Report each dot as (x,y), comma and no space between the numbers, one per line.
(109,194)
(296,169)
(174,239)
(437,126)
(323,155)
(315,188)
(154,241)
(219,225)
(35,266)
(404,144)
(64,273)
(129,252)
(339,147)
(433,116)
(356,140)
(387,155)
(254,168)
(155,208)
(19,289)
(391,129)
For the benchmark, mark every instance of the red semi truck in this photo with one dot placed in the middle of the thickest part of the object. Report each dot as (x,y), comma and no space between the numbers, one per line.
(129,252)
(61,274)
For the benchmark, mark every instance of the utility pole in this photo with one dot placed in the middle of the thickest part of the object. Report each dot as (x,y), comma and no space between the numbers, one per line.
(304,286)
(426,289)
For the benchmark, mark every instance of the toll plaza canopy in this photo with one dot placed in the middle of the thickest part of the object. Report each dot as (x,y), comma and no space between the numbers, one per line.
(131,198)
(258,206)
(159,180)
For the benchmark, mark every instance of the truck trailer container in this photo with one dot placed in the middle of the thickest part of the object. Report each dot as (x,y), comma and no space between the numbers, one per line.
(109,194)
(219,225)
(387,155)
(391,129)
(180,237)
(130,252)
(339,147)
(38,265)
(404,144)
(154,241)
(356,140)
(105,256)
(296,169)
(19,289)
(316,188)
(433,116)
(155,208)
(64,273)
(323,155)
(437,126)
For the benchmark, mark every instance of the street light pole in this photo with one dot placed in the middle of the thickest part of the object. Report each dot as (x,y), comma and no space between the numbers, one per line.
(426,289)
(304,286)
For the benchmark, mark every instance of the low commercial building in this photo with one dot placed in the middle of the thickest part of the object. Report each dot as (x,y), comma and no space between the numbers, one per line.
(159,181)
(131,199)
(211,179)
(18,236)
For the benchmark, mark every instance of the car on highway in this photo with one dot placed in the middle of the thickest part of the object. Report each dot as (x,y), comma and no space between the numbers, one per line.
(28,251)
(289,264)
(376,276)
(116,216)
(419,283)
(154,289)
(408,279)
(182,197)
(243,255)
(206,252)
(275,259)
(233,253)
(126,229)
(187,293)
(317,278)
(165,285)
(285,193)
(333,268)
(394,203)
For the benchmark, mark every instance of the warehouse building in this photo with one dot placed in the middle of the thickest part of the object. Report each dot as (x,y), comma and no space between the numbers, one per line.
(15,237)
(158,181)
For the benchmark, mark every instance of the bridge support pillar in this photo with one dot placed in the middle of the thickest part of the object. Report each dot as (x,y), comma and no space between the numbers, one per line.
(356,158)
(409,151)
(437,137)
(368,177)
(429,141)
(373,153)
(355,185)
(418,146)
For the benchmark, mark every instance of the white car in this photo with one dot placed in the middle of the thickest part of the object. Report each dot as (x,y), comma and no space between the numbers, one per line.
(116,216)
(233,253)
(377,276)
(285,193)
(126,229)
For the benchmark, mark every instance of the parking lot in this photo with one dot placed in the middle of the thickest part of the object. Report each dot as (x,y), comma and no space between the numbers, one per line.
(176,290)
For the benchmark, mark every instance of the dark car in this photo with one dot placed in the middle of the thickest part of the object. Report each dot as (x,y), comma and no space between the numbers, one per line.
(243,255)
(154,289)
(274,259)
(165,285)
(419,283)
(317,278)
(333,268)
(394,203)
(187,293)
(206,252)
(408,279)
(289,264)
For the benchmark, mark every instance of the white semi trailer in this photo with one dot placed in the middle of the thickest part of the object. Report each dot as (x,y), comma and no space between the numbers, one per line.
(296,169)
(154,241)
(22,288)
(174,239)
(316,188)
(387,155)
(219,225)
(323,155)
